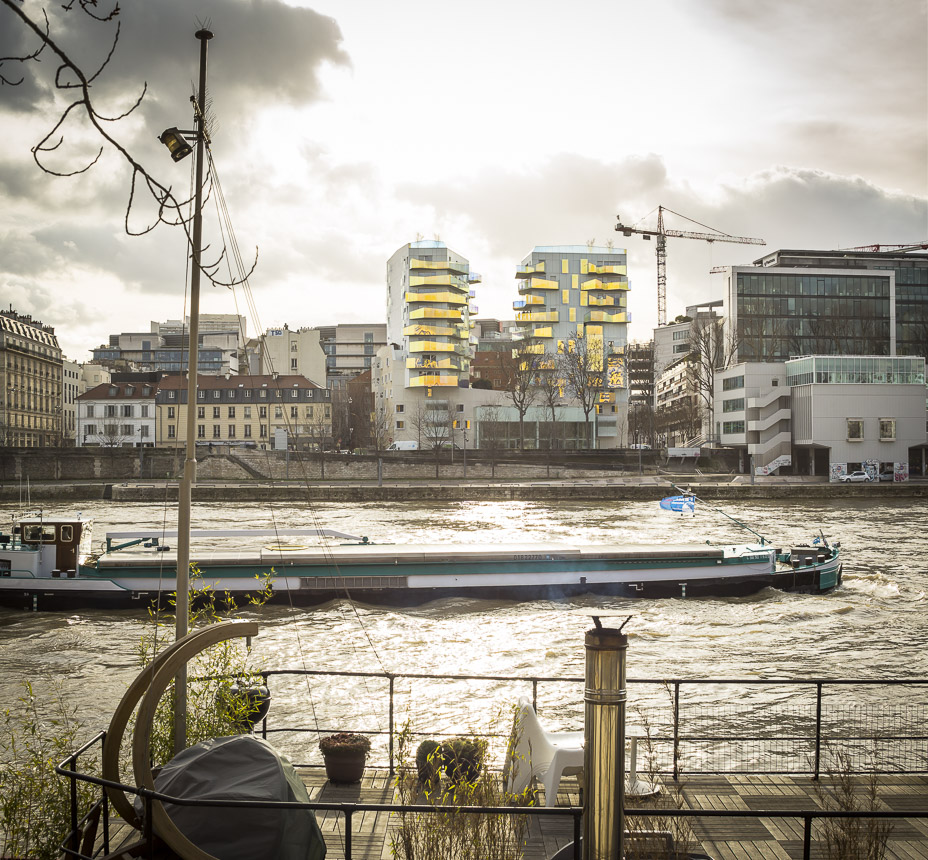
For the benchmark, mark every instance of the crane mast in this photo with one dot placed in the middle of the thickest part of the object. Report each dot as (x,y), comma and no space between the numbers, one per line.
(661,234)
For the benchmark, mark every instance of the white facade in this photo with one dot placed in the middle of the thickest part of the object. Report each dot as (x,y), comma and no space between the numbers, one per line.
(70,389)
(837,412)
(117,415)
(290,351)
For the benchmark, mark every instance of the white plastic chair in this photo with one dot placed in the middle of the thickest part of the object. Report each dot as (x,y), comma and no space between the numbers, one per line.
(537,753)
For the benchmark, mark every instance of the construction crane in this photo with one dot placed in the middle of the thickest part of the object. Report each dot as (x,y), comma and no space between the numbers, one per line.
(661,233)
(889,249)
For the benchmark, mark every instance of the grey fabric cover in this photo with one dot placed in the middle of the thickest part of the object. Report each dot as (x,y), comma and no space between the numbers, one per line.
(242,767)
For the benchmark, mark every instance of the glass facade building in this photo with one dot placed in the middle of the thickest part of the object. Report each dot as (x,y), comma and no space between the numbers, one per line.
(786,313)
(855,370)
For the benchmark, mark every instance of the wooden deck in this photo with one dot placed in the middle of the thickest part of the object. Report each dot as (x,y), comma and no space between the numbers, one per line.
(723,838)
(759,837)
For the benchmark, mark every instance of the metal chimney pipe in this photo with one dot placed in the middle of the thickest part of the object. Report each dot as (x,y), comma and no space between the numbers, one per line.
(604,743)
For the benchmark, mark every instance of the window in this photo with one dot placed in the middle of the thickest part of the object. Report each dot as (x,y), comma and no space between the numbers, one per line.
(201,412)
(293,364)
(110,410)
(90,430)
(248,394)
(263,431)
(217,394)
(400,425)
(216,411)
(460,407)
(263,394)
(294,393)
(231,411)
(732,427)
(128,430)
(67,534)
(735,404)
(231,431)
(293,347)
(855,429)
(262,412)
(143,410)
(89,412)
(399,407)
(246,431)
(201,431)
(170,412)
(887,429)
(172,395)
(127,410)
(732,383)
(278,412)
(171,430)
(293,411)
(201,395)
(143,431)
(217,431)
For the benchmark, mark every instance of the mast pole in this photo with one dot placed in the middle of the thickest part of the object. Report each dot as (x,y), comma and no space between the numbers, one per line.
(185,493)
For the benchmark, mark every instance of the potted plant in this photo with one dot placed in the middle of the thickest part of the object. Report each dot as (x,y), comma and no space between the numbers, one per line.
(344,754)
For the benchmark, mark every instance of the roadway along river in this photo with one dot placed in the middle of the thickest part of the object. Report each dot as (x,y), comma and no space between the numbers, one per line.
(874,626)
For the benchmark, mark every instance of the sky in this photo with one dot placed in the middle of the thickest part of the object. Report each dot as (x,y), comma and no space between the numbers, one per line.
(343,129)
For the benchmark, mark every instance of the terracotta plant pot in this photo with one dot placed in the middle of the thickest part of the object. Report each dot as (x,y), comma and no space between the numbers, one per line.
(344,765)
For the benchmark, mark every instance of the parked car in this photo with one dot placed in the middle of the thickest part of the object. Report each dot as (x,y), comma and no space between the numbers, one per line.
(854,477)
(887,476)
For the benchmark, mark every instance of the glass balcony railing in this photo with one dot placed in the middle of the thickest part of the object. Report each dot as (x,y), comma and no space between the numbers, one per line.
(454,281)
(438,346)
(436,314)
(605,316)
(613,269)
(598,284)
(605,301)
(527,271)
(474,278)
(518,304)
(537,316)
(440,265)
(449,298)
(433,381)
(538,284)
(422,363)
(424,330)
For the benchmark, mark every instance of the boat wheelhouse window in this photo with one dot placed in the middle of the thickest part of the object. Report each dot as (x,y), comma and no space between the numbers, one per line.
(38,534)
(67,534)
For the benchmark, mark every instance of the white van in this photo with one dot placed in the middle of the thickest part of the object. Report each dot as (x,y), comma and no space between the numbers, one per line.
(404,446)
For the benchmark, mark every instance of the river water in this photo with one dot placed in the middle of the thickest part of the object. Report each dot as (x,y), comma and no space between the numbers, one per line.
(874,626)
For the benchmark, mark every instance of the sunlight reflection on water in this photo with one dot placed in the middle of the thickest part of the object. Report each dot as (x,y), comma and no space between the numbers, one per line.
(874,626)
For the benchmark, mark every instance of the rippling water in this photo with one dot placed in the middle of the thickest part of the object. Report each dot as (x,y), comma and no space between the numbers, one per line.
(874,626)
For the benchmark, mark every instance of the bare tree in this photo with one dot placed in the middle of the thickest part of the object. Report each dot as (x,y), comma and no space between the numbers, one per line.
(438,429)
(712,348)
(492,433)
(75,86)
(581,367)
(551,388)
(381,428)
(521,367)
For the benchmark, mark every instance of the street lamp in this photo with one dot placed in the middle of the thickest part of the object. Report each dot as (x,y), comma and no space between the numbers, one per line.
(176,143)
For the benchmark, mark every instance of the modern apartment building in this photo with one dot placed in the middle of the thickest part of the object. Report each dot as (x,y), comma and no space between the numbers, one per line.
(244,411)
(574,298)
(349,350)
(428,314)
(290,351)
(30,382)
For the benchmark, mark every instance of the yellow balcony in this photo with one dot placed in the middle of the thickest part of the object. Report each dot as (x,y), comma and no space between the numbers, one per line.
(435,314)
(546,331)
(538,284)
(604,301)
(450,298)
(438,281)
(433,381)
(421,363)
(528,271)
(423,330)
(537,316)
(440,265)
(607,270)
(533,348)
(605,316)
(597,284)
(518,304)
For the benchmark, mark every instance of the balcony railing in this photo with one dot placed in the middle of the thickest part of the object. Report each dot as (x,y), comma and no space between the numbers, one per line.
(436,314)
(455,281)
(448,298)
(433,381)
(538,284)
(537,316)
(598,284)
(605,316)
(440,265)
(528,271)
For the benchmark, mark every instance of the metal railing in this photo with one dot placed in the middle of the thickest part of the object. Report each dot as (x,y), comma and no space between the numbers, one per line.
(816,726)
(71,845)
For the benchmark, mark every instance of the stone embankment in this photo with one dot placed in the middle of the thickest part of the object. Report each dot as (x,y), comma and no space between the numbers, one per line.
(274,476)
